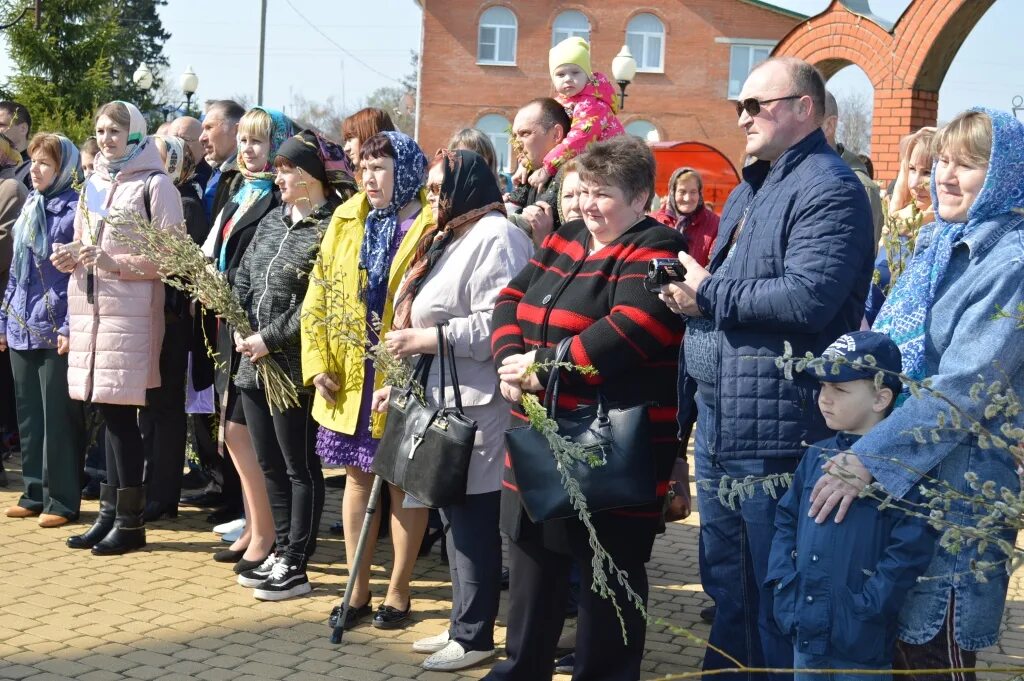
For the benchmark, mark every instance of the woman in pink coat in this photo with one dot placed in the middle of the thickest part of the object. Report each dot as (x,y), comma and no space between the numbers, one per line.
(116,313)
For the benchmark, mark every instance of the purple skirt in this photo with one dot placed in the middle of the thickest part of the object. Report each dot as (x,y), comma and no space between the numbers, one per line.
(338,449)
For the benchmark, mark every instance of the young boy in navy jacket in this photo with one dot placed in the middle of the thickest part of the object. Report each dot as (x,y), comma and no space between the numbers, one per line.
(838,587)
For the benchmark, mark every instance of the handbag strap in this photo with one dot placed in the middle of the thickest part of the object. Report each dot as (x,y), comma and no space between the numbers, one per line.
(551,391)
(443,348)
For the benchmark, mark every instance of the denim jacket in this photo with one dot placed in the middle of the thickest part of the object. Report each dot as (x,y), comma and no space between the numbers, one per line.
(963,341)
(837,588)
(37,309)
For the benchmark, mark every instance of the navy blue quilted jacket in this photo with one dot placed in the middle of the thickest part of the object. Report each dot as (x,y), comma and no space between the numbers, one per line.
(800,273)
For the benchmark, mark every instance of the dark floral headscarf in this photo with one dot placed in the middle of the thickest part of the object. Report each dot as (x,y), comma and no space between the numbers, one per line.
(468,191)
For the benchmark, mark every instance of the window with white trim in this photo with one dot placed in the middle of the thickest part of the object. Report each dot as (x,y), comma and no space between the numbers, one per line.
(645,130)
(496,128)
(645,37)
(742,60)
(570,24)
(496,40)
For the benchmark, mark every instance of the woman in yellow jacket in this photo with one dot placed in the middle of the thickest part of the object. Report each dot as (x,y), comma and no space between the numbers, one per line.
(366,250)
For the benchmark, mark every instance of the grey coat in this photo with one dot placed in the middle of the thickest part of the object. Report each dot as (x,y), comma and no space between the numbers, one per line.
(271,284)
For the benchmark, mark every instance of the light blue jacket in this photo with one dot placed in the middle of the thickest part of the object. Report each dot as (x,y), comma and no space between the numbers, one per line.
(963,341)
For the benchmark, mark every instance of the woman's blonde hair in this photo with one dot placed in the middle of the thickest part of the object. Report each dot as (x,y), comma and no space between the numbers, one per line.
(922,141)
(968,137)
(256,122)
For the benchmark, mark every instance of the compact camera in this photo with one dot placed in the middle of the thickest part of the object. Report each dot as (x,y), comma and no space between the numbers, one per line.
(662,271)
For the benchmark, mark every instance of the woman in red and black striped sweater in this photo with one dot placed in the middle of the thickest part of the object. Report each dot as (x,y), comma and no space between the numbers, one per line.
(586,281)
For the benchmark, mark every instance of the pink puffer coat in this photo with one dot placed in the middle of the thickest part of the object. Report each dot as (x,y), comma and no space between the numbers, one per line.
(115,342)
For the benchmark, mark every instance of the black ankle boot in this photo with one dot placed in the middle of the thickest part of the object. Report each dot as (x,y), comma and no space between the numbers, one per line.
(129,531)
(103,523)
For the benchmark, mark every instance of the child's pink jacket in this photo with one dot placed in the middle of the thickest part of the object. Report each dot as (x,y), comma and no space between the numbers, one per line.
(593,119)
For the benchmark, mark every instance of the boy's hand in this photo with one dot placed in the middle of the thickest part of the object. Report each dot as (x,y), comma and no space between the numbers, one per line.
(845,478)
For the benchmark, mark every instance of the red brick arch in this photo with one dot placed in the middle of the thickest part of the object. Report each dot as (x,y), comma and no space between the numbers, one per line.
(905,62)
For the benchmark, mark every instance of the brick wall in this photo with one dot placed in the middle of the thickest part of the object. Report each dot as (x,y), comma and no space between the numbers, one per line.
(686,102)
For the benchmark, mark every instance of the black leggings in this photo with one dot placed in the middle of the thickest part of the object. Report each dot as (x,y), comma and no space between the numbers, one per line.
(284,443)
(125,459)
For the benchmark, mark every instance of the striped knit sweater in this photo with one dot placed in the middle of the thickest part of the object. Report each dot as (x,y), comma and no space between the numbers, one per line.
(618,327)
(271,285)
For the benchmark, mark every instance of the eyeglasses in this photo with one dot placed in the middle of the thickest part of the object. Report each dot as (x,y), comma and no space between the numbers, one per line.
(752,105)
(434,189)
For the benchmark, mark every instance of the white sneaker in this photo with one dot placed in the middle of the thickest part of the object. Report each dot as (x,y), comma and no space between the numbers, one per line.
(431,644)
(232,536)
(454,657)
(229,526)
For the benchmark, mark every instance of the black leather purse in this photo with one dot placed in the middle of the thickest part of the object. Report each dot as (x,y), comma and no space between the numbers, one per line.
(619,437)
(426,450)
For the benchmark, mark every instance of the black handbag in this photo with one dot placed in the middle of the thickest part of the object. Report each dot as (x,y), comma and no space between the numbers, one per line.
(426,450)
(621,438)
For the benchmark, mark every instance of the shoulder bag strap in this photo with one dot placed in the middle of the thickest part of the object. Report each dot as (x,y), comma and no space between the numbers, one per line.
(454,374)
(551,392)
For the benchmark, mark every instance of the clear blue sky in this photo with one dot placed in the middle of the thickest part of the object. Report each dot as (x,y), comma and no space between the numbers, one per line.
(220,39)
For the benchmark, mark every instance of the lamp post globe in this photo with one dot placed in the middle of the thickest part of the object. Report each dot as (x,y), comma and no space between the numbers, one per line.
(623,71)
(143,77)
(189,85)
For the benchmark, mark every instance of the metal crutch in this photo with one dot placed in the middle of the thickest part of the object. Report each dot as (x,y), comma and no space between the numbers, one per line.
(357,559)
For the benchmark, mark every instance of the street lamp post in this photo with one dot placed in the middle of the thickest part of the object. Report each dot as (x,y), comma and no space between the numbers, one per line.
(623,70)
(189,85)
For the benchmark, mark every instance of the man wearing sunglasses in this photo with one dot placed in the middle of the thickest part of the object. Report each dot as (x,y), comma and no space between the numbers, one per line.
(791,265)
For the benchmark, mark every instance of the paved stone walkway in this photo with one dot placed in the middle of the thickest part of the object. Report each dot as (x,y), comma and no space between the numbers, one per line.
(170,612)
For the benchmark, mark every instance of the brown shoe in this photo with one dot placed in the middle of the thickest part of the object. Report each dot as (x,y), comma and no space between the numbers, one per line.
(21,512)
(51,520)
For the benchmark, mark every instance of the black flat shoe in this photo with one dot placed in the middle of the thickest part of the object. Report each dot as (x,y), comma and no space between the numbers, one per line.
(229,556)
(244,565)
(203,499)
(391,618)
(155,511)
(354,615)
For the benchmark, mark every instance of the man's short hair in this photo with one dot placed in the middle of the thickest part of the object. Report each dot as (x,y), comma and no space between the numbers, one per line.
(807,81)
(551,113)
(18,113)
(831,105)
(229,108)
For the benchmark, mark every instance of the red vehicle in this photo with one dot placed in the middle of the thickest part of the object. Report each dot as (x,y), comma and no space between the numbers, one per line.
(717,171)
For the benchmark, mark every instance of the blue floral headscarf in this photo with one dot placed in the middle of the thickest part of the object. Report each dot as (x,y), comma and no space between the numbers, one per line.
(382,223)
(30,231)
(904,315)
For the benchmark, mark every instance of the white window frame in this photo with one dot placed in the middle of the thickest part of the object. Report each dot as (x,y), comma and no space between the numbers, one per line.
(560,34)
(646,135)
(645,36)
(500,140)
(750,44)
(498,29)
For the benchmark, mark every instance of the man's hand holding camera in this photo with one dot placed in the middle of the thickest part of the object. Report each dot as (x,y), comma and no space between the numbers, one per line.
(681,296)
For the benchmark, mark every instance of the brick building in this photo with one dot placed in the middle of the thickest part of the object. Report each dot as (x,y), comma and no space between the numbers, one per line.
(482,59)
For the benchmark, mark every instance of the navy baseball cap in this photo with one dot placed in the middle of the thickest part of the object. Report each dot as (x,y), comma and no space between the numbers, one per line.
(856,346)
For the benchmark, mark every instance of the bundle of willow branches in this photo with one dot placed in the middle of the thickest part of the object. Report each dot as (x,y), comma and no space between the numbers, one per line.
(183,266)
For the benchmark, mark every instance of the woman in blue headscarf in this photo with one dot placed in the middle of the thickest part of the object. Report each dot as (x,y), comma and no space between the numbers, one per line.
(261,132)
(368,247)
(966,267)
(32,314)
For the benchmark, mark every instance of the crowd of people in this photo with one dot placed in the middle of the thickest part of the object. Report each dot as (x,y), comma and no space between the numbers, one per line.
(323,243)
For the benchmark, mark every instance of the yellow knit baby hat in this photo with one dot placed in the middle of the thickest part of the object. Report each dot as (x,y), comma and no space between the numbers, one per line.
(573,50)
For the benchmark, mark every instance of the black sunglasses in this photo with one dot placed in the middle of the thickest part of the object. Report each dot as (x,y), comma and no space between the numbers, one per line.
(753,106)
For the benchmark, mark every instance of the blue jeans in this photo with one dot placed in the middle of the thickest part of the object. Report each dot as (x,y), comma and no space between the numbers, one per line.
(804,661)
(734,561)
